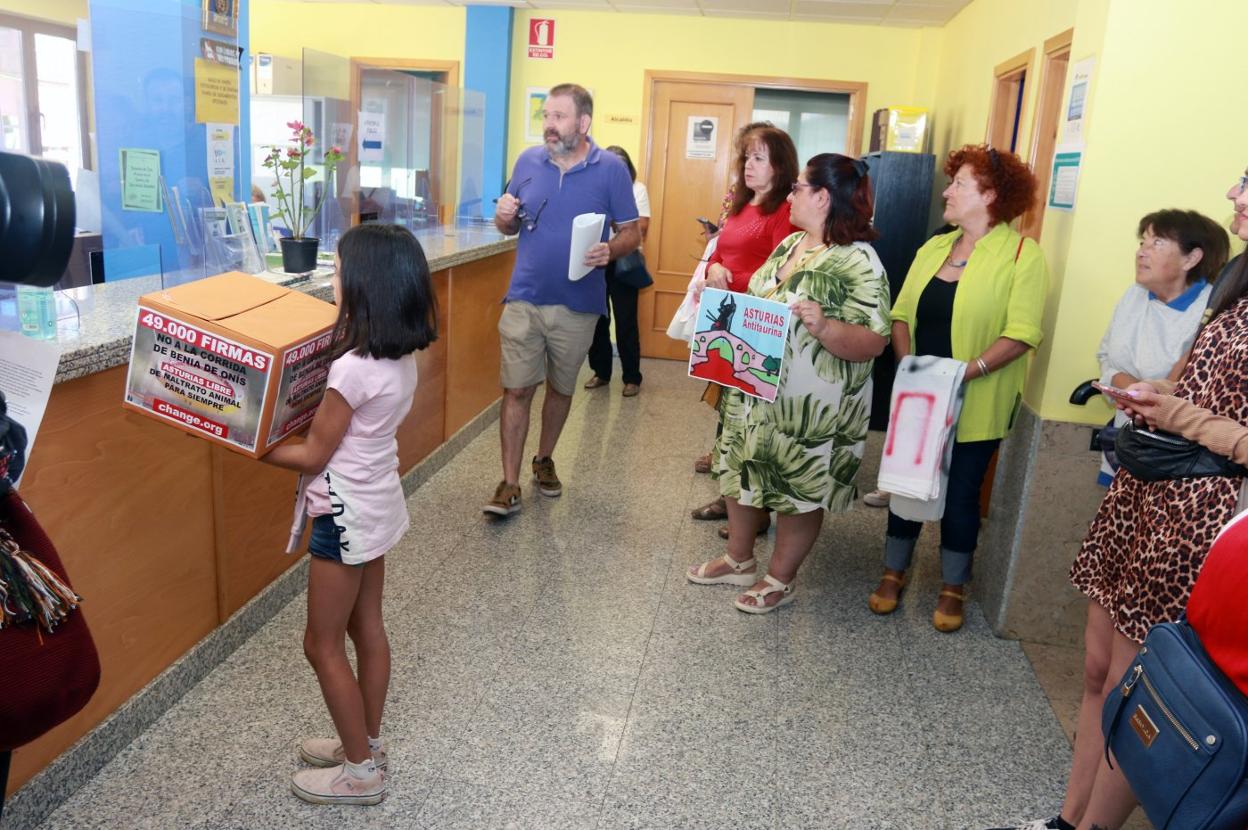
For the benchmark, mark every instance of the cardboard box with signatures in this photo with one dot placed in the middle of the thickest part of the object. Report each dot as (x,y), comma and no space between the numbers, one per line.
(231,358)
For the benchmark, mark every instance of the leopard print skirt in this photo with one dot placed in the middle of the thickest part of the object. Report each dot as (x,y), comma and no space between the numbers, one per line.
(1148,541)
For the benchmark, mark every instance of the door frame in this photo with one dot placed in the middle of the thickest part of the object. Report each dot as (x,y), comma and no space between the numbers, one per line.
(29,27)
(857,91)
(1005,77)
(1044,130)
(444,136)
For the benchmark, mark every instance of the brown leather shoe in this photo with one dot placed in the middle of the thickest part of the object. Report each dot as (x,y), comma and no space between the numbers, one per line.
(548,483)
(594,382)
(703,464)
(631,390)
(506,500)
(714,511)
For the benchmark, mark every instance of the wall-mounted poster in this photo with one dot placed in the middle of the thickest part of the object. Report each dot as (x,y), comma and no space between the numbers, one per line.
(218,51)
(221,16)
(739,342)
(534,103)
(216,93)
(140,180)
(1076,116)
(701,135)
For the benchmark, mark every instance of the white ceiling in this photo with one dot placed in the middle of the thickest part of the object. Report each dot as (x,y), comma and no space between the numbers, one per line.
(865,12)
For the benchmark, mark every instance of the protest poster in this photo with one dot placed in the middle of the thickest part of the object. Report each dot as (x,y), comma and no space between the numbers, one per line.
(739,342)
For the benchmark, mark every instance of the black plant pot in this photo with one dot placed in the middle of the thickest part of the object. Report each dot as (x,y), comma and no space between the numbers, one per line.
(299,255)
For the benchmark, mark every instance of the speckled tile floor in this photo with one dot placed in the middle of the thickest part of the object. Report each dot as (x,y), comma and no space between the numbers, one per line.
(556,671)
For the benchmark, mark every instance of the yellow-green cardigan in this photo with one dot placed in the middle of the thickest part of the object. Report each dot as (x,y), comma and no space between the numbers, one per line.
(998,296)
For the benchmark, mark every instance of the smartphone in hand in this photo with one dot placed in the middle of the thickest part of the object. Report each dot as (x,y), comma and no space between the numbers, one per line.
(710,227)
(1114,392)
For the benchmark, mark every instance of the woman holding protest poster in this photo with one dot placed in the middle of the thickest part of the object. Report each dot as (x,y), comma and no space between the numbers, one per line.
(799,454)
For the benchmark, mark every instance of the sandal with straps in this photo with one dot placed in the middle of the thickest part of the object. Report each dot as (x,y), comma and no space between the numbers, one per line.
(884,605)
(774,586)
(948,623)
(737,576)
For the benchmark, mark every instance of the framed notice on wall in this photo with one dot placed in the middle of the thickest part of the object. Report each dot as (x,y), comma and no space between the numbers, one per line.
(221,16)
(534,103)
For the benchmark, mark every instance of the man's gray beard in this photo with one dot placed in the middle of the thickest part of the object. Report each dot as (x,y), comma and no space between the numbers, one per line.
(564,146)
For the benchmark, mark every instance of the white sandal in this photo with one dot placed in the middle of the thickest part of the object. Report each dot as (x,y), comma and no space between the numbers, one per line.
(774,586)
(737,576)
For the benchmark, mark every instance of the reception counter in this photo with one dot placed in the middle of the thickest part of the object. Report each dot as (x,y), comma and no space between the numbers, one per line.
(166,535)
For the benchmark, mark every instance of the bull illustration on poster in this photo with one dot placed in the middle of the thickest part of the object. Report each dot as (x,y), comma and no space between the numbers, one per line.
(739,342)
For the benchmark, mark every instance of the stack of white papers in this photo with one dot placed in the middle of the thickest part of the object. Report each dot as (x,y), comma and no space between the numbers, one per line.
(586,233)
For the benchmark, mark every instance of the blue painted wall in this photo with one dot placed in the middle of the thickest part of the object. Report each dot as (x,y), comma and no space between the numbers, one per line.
(487,69)
(143,65)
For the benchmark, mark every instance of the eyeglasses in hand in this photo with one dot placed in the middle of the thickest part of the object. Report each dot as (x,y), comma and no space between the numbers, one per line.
(530,220)
(526,219)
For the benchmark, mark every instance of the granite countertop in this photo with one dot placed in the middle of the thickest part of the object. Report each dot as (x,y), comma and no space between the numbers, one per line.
(102,336)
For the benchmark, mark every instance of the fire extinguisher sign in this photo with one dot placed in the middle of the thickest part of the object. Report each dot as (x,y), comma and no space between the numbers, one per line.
(542,38)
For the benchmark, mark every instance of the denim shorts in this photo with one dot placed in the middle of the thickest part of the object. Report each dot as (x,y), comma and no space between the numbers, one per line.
(324,542)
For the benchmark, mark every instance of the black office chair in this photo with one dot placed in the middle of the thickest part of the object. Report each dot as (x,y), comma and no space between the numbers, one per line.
(1102,437)
(1084,392)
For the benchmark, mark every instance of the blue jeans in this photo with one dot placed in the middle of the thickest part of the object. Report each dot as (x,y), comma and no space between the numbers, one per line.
(959,528)
(324,542)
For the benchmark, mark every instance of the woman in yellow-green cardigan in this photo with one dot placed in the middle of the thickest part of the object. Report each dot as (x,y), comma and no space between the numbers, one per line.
(976,295)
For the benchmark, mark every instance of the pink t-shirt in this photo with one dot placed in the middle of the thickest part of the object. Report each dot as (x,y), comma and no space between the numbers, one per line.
(360,486)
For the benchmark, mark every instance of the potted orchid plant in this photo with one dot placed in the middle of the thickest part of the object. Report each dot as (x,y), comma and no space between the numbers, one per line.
(293,168)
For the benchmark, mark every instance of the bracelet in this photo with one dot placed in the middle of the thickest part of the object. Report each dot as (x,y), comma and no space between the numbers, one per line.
(983,367)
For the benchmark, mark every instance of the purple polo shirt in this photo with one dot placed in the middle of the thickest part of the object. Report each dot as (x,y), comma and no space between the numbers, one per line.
(599,184)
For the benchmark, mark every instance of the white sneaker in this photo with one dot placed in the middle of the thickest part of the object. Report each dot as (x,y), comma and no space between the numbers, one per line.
(876,498)
(328,752)
(334,785)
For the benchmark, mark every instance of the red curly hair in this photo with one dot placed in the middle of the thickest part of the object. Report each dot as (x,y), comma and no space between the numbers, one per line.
(1001,172)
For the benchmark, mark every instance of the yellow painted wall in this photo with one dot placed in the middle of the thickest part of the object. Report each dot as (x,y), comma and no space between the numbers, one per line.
(610,52)
(59,11)
(984,34)
(1165,130)
(1090,21)
(358,30)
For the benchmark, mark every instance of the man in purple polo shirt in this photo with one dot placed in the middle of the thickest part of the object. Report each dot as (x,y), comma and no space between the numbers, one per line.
(548,320)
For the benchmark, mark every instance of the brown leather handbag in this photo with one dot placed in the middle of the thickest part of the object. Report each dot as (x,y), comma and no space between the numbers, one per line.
(45,677)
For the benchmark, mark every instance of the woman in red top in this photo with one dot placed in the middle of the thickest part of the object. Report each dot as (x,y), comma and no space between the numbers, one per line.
(758,221)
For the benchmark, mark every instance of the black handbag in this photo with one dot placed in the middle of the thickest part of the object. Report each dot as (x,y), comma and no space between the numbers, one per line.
(1177,728)
(630,270)
(1152,455)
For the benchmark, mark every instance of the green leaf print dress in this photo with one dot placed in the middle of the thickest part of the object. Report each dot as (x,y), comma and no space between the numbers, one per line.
(802,452)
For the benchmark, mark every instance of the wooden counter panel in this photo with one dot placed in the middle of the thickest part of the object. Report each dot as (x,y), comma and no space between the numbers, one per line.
(422,430)
(254,504)
(128,503)
(477,290)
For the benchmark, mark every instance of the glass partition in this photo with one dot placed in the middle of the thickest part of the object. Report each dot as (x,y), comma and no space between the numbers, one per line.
(168,93)
(412,146)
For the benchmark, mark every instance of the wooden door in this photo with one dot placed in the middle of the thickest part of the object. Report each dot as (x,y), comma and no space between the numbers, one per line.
(681,190)
(1008,95)
(1048,118)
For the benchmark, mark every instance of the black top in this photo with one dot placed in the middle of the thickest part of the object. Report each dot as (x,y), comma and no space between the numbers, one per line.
(933,319)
